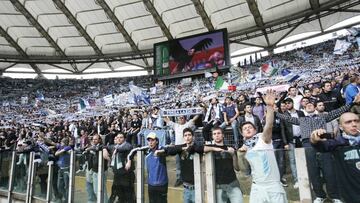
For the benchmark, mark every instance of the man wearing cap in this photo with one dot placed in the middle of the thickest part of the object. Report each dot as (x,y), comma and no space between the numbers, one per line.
(157,178)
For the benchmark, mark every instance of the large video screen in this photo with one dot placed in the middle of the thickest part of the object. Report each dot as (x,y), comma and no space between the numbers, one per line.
(192,54)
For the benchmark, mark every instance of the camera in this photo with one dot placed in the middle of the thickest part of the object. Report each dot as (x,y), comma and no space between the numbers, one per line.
(327,136)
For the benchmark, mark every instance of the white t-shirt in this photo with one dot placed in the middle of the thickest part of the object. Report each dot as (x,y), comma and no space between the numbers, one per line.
(297,101)
(264,168)
(178,129)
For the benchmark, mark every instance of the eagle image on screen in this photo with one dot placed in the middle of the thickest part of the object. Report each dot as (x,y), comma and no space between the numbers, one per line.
(197,53)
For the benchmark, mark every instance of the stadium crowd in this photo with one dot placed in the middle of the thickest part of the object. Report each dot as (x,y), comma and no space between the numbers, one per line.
(328,88)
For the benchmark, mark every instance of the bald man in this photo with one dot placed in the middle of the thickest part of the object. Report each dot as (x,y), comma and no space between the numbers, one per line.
(346,151)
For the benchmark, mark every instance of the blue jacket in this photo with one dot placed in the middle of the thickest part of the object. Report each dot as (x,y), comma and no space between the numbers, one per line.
(156,167)
(331,144)
(350,92)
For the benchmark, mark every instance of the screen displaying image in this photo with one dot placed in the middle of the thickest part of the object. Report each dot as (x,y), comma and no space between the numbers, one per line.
(191,54)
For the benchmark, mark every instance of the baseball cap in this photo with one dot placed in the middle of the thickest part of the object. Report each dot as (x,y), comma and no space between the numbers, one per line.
(151,135)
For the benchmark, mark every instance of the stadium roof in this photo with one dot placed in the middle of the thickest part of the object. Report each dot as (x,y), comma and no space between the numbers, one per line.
(97,36)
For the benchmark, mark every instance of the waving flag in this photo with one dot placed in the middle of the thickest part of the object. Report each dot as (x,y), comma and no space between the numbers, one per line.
(268,69)
(341,46)
(221,84)
(139,94)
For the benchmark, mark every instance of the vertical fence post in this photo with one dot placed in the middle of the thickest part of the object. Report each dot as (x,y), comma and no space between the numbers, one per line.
(49,181)
(210,177)
(11,179)
(71,177)
(29,178)
(198,179)
(100,179)
(303,176)
(140,176)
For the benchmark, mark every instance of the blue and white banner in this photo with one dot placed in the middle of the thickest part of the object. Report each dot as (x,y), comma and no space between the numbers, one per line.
(182,112)
(108,99)
(341,46)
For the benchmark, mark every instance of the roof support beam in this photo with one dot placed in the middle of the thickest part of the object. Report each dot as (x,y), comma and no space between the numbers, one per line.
(33,21)
(151,8)
(90,73)
(88,66)
(121,28)
(12,65)
(204,17)
(59,67)
(61,6)
(14,44)
(288,19)
(246,43)
(258,18)
(315,5)
(291,30)
(303,39)
(346,10)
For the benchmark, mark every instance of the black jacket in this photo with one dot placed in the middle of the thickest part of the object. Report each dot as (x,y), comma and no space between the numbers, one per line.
(332,100)
(257,121)
(286,128)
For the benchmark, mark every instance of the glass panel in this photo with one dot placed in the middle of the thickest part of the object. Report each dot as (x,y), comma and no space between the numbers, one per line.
(120,182)
(5,167)
(84,191)
(265,171)
(256,176)
(40,179)
(21,172)
(335,174)
(175,188)
(86,178)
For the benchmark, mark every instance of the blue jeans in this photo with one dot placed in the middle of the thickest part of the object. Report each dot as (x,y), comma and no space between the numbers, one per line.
(235,129)
(318,163)
(280,156)
(95,184)
(232,192)
(292,161)
(90,192)
(63,182)
(189,195)
(178,167)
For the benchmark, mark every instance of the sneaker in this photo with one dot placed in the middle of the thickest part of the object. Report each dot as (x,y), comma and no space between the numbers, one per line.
(337,201)
(319,200)
(283,182)
(178,183)
(296,185)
